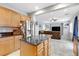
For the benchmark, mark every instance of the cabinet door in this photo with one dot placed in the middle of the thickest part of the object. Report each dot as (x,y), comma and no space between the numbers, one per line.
(3,17)
(2,50)
(28,49)
(23,18)
(40,46)
(40,52)
(12,44)
(4,46)
(15,20)
(46,50)
(9,18)
(46,47)
(17,42)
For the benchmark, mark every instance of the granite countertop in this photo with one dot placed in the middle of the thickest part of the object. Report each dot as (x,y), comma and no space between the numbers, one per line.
(36,40)
(9,36)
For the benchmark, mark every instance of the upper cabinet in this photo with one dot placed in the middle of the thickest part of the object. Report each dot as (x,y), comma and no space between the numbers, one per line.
(11,18)
(15,20)
(4,17)
(24,18)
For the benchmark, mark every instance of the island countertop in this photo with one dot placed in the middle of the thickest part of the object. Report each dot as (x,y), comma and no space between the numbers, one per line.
(36,40)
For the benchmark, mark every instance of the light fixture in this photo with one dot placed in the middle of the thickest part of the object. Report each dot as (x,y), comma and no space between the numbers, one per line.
(53,19)
(36,7)
(39,12)
(61,6)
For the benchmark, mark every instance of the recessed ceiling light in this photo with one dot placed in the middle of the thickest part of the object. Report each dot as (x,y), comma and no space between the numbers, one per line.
(61,6)
(36,7)
(39,12)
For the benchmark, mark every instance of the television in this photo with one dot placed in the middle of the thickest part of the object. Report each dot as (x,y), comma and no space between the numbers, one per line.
(55,28)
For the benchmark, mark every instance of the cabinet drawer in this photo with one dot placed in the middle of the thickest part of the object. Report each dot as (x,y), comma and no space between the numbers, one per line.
(41,52)
(40,46)
(46,51)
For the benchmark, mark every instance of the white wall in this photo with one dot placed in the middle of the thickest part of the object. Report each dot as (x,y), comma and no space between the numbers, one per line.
(55,24)
(72,26)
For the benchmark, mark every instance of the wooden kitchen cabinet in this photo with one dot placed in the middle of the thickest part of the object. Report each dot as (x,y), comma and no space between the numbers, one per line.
(3,48)
(6,45)
(15,21)
(40,49)
(23,18)
(11,18)
(40,46)
(3,17)
(17,18)
(17,42)
(46,47)
(28,49)
(40,52)
(12,44)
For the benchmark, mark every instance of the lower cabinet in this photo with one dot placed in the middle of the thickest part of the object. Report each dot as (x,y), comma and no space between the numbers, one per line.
(28,49)
(40,49)
(41,52)
(46,47)
(17,42)
(12,44)
(6,45)
(9,44)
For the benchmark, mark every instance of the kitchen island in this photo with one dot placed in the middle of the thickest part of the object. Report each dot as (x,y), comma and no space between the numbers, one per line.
(39,47)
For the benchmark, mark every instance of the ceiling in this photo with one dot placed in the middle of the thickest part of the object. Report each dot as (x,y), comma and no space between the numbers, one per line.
(61,15)
(26,7)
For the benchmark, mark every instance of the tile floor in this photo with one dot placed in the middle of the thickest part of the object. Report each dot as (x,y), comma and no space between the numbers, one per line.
(16,53)
(61,48)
